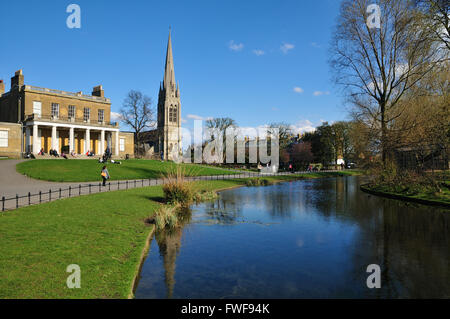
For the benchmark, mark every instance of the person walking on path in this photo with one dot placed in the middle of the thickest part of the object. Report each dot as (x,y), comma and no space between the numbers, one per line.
(105,175)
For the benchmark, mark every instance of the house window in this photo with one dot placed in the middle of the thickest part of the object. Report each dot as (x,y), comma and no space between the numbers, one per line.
(3,138)
(71,112)
(55,110)
(37,108)
(86,114)
(122,145)
(101,116)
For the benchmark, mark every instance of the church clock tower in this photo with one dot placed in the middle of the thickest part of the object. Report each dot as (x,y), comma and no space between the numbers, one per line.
(169,110)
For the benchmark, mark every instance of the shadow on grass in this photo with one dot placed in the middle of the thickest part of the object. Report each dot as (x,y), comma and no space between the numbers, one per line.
(158,199)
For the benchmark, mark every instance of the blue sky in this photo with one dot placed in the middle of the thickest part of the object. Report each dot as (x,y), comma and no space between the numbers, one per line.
(257,62)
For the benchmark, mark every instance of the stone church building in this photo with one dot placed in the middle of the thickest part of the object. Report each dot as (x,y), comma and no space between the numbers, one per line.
(165,141)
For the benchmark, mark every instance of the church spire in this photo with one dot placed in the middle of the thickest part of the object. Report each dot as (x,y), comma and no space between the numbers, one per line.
(169,73)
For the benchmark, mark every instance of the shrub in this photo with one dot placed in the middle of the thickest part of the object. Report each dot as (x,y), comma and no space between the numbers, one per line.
(258,182)
(408,182)
(177,190)
(166,216)
(205,196)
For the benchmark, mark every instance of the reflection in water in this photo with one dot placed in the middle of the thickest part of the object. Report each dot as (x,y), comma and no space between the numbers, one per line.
(169,243)
(305,239)
(224,212)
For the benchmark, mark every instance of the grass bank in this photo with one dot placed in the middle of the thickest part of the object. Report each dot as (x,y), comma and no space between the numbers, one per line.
(426,198)
(73,170)
(429,188)
(105,234)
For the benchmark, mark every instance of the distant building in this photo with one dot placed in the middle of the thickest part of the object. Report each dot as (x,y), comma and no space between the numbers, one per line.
(59,120)
(165,140)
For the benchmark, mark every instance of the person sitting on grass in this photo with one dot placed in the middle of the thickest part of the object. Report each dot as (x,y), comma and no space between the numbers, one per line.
(73,154)
(64,155)
(41,152)
(105,175)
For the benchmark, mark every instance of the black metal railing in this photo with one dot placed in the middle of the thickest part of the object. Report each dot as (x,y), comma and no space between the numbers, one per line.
(40,197)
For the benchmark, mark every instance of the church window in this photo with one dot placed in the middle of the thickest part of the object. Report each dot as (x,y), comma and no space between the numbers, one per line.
(172,113)
(174,117)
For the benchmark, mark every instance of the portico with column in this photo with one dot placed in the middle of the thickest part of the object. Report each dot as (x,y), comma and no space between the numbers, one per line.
(56,135)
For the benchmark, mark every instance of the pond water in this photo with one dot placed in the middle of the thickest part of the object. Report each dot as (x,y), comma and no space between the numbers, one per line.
(303,239)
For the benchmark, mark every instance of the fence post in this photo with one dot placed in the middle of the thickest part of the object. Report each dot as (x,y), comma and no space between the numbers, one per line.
(40,197)
(49,195)
(118,184)
(89,188)
(134,183)
(100,187)
(60,193)
(79,189)
(29,198)
(142,183)
(127,184)
(17,201)
(3,203)
(70,191)
(109,186)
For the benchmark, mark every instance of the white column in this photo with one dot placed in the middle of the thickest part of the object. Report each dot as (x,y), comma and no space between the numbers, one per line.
(35,139)
(102,142)
(54,147)
(87,140)
(117,143)
(71,141)
(27,139)
(109,141)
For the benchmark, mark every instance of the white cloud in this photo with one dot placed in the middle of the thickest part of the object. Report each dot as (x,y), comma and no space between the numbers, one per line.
(183,120)
(319,93)
(302,126)
(316,45)
(286,47)
(259,52)
(235,46)
(298,90)
(115,117)
(197,117)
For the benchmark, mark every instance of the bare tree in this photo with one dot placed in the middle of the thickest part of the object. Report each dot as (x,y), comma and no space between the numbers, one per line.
(138,114)
(285,134)
(220,123)
(437,14)
(378,66)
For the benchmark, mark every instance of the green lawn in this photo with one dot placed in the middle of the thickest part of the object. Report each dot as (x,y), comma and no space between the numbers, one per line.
(73,170)
(103,233)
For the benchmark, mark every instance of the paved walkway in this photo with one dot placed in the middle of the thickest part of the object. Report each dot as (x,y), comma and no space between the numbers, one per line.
(12,183)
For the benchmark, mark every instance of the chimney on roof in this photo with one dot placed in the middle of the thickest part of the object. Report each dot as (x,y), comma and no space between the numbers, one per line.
(98,91)
(2,87)
(17,79)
